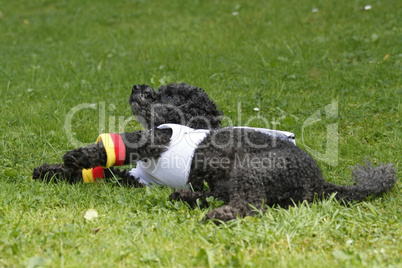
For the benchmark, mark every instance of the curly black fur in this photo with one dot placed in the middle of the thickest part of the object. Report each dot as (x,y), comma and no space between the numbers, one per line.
(225,160)
(175,103)
(91,156)
(55,172)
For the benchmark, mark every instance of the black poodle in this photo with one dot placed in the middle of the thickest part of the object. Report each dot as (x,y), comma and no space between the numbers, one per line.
(184,147)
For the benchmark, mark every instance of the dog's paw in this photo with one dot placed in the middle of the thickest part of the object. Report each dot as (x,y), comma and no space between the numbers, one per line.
(75,159)
(53,173)
(225,213)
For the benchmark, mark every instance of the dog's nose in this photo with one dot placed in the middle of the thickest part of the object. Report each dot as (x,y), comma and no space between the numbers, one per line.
(142,89)
(136,89)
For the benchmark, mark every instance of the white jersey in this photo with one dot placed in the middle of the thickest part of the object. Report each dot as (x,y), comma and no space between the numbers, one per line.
(172,168)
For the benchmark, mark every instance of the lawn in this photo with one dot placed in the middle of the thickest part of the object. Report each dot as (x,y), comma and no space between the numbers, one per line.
(329,71)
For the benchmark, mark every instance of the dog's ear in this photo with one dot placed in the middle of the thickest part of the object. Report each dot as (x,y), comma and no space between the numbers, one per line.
(200,106)
(197,110)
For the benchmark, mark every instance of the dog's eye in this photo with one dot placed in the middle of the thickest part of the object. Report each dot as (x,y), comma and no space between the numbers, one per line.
(169,96)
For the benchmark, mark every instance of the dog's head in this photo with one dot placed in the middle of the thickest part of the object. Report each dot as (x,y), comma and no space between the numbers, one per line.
(174,103)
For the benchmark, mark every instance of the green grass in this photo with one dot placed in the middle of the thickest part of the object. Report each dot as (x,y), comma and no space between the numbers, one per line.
(276,55)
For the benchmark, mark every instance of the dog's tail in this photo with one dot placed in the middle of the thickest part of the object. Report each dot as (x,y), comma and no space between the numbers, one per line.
(369,181)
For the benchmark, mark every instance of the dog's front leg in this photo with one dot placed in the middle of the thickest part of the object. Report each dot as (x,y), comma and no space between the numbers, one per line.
(119,149)
(86,157)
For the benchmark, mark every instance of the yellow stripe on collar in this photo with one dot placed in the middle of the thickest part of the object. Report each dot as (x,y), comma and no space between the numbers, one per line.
(109,147)
(87,175)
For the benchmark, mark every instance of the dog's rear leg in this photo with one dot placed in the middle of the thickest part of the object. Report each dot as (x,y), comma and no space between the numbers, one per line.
(246,194)
(219,191)
(190,197)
